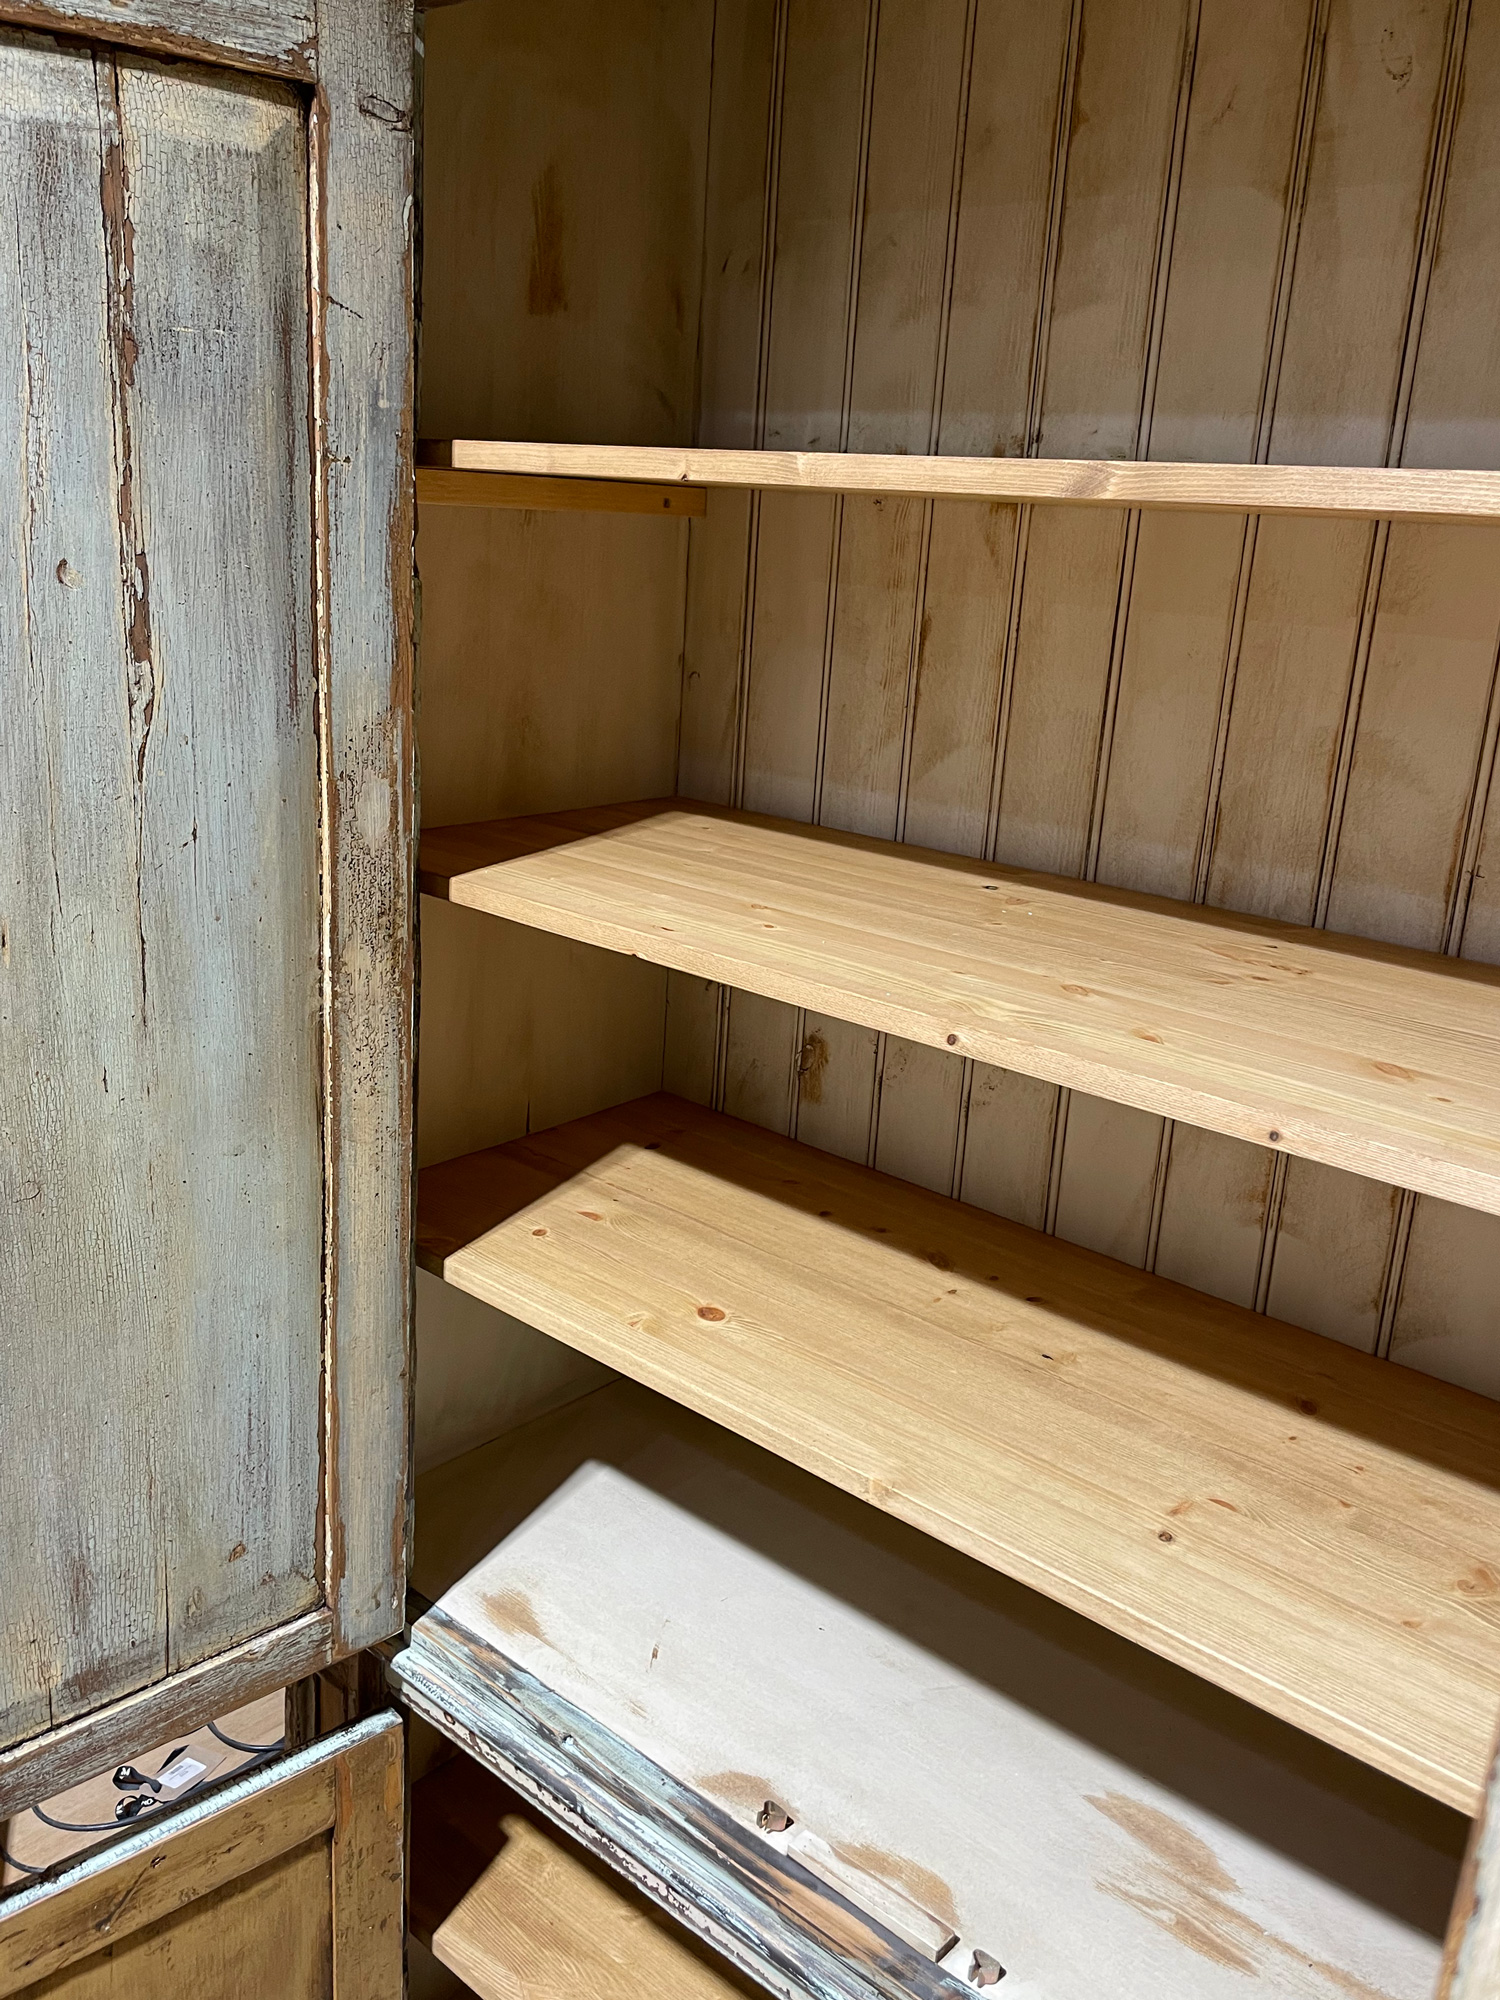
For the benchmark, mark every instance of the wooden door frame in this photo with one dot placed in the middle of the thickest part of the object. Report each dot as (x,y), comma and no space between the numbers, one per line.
(350,1787)
(1471,1956)
(354,60)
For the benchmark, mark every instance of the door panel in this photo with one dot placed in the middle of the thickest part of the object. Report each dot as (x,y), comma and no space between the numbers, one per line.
(160,1154)
(288,1882)
(271,1932)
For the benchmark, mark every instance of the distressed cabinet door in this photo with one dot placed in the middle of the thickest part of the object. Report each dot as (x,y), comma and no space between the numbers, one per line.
(286,1883)
(205,804)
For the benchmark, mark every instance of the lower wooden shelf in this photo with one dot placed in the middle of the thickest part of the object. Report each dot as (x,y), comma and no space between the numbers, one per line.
(653,1631)
(1313,1529)
(520,1912)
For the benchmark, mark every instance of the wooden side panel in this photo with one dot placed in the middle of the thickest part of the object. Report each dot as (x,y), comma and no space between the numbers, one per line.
(286,1882)
(565,191)
(159,928)
(1274,244)
(563,186)
(1471,1961)
(520,1030)
(363,241)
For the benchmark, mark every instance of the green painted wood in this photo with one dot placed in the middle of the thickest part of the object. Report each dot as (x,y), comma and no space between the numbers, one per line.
(161,1143)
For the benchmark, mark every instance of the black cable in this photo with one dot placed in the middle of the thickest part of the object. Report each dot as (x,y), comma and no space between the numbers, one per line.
(67,1826)
(251,1749)
(258,1755)
(253,1763)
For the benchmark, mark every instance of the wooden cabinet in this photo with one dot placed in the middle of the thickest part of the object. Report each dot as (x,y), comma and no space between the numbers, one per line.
(958,1222)
(960,620)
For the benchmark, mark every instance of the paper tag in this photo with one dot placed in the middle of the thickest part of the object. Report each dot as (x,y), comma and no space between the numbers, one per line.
(185,1771)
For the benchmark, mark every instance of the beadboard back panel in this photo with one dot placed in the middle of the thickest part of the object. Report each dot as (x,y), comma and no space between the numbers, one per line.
(1116,228)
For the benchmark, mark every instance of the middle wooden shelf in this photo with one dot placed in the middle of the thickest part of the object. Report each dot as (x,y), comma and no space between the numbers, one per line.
(1366,1056)
(1306,1526)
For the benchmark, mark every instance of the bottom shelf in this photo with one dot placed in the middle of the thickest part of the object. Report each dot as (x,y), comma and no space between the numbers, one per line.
(651,1630)
(520,1912)
(1304,1525)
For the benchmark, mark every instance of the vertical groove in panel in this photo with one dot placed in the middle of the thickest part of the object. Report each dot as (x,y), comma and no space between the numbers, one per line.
(1429,229)
(1313,66)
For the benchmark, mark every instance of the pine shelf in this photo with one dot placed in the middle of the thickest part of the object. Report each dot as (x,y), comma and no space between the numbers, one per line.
(514,1908)
(1398,493)
(1365,1056)
(1308,1527)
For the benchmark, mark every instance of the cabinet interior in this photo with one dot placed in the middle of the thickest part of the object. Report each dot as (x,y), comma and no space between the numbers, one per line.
(1166,231)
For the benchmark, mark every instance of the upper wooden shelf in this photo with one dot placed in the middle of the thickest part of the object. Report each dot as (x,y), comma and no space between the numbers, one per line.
(439,486)
(1366,1056)
(1382,492)
(1306,1526)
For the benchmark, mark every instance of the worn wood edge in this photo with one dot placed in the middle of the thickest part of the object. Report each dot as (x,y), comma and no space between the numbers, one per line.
(106,1895)
(266,56)
(439,486)
(369,1862)
(1363,1146)
(1471,1952)
(78,1749)
(1379,492)
(677,1847)
(362,261)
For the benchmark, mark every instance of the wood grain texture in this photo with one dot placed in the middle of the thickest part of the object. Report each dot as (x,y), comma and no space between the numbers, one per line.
(249,34)
(1372,1059)
(1368,492)
(363,375)
(563,182)
(265,1932)
(169,920)
(519,1912)
(438,487)
(563,235)
(368,1861)
(160,879)
(1287,1518)
(177,1873)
